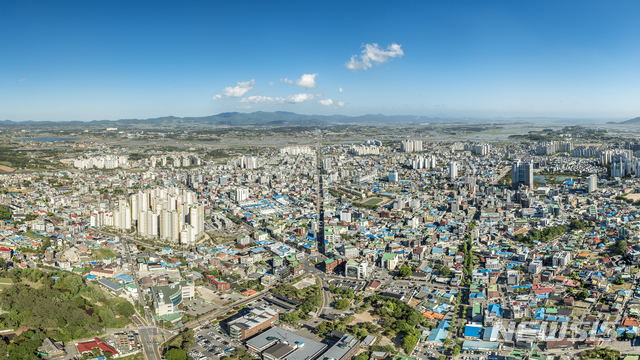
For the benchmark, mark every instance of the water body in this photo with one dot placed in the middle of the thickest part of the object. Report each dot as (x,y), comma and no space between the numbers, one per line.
(543,179)
(49,139)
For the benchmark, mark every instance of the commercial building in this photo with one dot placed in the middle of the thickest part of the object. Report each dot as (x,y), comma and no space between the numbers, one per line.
(256,320)
(279,344)
(453,170)
(167,298)
(521,173)
(344,349)
(592,182)
(356,269)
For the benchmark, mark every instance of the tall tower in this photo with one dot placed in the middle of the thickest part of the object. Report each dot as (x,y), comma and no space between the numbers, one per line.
(320,206)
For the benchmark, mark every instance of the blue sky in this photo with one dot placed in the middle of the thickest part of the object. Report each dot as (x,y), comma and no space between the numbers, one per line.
(85,60)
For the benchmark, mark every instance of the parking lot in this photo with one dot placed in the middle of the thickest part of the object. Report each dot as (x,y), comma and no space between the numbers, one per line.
(211,343)
(348,284)
(198,306)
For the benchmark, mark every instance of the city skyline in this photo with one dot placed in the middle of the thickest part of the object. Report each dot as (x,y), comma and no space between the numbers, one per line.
(93,61)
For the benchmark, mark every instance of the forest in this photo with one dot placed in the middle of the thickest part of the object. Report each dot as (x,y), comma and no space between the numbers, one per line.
(60,305)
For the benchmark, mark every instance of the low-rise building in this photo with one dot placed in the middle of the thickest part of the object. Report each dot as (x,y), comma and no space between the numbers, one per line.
(252,323)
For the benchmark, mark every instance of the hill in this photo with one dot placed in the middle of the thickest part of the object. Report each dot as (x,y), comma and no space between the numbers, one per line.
(258,118)
(631,121)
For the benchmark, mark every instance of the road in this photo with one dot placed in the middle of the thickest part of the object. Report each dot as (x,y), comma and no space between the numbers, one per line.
(504,172)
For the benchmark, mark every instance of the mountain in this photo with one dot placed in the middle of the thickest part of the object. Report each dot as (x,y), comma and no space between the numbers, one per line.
(258,118)
(631,121)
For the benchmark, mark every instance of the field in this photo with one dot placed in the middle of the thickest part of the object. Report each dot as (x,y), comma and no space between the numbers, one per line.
(634,197)
(372,201)
(5,283)
(103,253)
(6,168)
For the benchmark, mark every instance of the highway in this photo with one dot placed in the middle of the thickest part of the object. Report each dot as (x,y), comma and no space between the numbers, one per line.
(504,172)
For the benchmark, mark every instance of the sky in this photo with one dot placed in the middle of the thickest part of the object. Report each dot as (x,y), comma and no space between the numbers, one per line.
(92,60)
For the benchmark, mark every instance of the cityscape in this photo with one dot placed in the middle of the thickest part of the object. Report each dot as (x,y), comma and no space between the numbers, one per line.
(306,181)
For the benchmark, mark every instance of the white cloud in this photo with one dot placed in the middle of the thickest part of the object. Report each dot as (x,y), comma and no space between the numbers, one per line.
(325,102)
(319,95)
(271,83)
(307,81)
(262,100)
(298,98)
(373,54)
(23,79)
(293,99)
(341,89)
(238,91)
(340,104)
(286,80)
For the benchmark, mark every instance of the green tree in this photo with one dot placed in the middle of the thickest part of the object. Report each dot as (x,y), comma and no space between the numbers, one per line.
(446,271)
(582,295)
(176,354)
(342,304)
(456,350)
(108,317)
(618,280)
(447,341)
(405,271)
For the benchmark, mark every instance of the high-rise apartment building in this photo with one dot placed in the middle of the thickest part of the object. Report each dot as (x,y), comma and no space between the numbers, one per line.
(521,173)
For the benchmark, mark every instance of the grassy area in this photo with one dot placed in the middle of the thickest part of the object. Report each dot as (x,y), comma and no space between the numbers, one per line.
(103,253)
(32,234)
(5,283)
(626,286)
(373,201)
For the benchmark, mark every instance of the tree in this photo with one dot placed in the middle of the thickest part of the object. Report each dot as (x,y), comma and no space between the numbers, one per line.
(176,354)
(582,295)
(629,335)
(408,343)
(446,271)
(342,304)
(442,357)
(405,271)
(618,280)
(620,247)
(108,317)
(447,341)
(456,350)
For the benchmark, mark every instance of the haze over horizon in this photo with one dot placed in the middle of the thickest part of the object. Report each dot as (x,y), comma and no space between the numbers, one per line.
(120,60)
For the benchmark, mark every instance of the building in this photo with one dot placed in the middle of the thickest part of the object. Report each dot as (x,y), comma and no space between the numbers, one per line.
(88,346)
(561,258)
(390,260)
(491,263)
(344,349)
(256,320)
(241,194)
(393,176)
(269,280)
(5,253)
(521,173)
(408,145)
(219,284)
(453,170)
(592,182)
(320,241)
(356,269)
(535,266)
(513,277)
(345,216)
(51,350)
(350,251)
(167,298)
(279,344)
